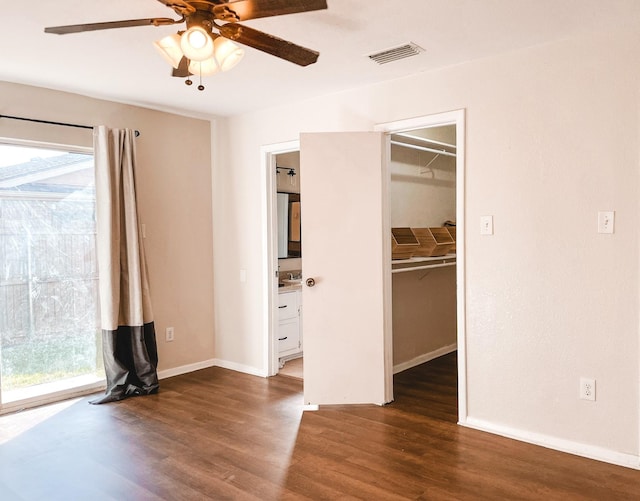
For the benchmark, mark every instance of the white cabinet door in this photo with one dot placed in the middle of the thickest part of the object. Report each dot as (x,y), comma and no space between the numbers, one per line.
(289,323)
(287,305)
(289,336)
(345,248)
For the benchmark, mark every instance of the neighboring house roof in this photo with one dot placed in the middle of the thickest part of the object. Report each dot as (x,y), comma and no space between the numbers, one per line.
(60,174)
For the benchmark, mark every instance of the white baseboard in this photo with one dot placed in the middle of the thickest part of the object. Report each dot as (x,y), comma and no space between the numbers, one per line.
(403,366)
(213,362)
(558,444)
(184,369)
(225,364)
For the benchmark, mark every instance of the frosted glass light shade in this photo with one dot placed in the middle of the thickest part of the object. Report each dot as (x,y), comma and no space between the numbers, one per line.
(227,53)
(196,44)
(204,68)
(169,47)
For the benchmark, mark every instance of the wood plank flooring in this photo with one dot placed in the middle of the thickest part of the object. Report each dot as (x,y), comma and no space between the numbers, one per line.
(293,368)
(218,434)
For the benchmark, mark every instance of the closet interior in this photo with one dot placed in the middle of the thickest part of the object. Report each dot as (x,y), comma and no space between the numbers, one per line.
(423,219)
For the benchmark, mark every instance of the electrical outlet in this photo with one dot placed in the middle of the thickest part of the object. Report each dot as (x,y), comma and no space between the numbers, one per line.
(587,388)
(168,334)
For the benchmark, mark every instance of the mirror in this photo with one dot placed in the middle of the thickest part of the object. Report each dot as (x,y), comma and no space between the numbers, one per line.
(288,204)
(289,241)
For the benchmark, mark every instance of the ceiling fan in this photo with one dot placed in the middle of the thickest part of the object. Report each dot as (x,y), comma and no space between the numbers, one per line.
(206,46)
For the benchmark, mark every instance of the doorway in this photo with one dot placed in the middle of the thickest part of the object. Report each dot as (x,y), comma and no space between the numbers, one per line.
(456,119)
(423,222)
(442,170)
(283,259)
(289,339)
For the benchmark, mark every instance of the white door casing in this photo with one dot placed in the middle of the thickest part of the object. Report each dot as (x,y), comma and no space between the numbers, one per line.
(347,184)
(456,117)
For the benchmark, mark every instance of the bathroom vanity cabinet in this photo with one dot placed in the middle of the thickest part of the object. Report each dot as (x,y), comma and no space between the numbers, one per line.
(289,325)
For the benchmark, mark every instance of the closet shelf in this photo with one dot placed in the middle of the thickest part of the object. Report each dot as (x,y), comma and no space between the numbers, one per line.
(423,144)
(422,263)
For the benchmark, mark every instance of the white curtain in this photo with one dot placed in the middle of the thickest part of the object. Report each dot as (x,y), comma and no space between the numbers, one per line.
(128,332)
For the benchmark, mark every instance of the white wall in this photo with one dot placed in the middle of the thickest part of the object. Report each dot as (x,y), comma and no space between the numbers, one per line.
(174,198)
(552,137)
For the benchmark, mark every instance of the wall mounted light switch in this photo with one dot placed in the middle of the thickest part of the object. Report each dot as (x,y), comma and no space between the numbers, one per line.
(606,220)
(486,225)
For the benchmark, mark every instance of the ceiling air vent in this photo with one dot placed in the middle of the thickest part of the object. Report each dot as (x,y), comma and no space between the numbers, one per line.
(396,53)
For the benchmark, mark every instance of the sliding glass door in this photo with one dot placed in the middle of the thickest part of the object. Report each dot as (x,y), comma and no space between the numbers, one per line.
(49,334)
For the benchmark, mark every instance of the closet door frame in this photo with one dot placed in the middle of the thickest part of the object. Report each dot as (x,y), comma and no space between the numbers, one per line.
(457,118)
(270,251)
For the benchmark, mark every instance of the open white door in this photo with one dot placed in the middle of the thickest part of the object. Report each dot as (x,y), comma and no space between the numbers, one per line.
(346,251)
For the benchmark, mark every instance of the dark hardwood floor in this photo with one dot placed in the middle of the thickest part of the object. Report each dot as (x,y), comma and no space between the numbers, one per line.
(218,434)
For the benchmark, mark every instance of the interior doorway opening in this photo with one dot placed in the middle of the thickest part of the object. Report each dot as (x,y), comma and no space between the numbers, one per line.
(422,198)
(283,259)
(289,339)
(426,185)
(456,121)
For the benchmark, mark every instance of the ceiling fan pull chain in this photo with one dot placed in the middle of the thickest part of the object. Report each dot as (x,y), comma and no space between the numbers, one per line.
(188,81)
(200,87)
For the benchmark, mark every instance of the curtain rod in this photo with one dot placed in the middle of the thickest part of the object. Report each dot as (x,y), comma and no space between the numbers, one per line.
(53,123)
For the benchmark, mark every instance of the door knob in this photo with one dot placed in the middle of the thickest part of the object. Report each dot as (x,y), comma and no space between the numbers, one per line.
(310,282)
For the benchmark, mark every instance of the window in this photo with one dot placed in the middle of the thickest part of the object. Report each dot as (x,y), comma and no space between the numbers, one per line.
(50,342)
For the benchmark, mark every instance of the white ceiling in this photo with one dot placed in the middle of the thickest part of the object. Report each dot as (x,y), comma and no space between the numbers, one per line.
(122,64)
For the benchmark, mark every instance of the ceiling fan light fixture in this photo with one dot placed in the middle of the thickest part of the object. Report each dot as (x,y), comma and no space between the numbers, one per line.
(197,44)
(169,47)
(225,56)
(227,53)
(204,68)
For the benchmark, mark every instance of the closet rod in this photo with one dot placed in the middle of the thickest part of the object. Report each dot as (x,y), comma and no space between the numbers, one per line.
(423,267)
(48,122)
(424,148)
(425,140)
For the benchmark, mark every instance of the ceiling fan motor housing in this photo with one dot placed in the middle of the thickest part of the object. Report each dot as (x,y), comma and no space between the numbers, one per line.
(200,18)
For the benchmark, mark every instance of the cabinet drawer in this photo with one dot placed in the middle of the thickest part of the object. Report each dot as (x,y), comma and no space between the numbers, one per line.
(289,336)
(287,305)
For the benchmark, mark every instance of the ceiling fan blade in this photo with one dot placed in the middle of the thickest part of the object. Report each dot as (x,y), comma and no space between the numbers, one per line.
(78,28)
(182,70)
(269,44)
(241,10)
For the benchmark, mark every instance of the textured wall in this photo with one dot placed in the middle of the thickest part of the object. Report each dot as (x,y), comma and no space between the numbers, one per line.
(551,138)
(174,196)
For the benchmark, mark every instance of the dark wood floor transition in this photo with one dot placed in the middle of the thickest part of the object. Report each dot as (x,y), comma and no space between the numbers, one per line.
(218,434)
